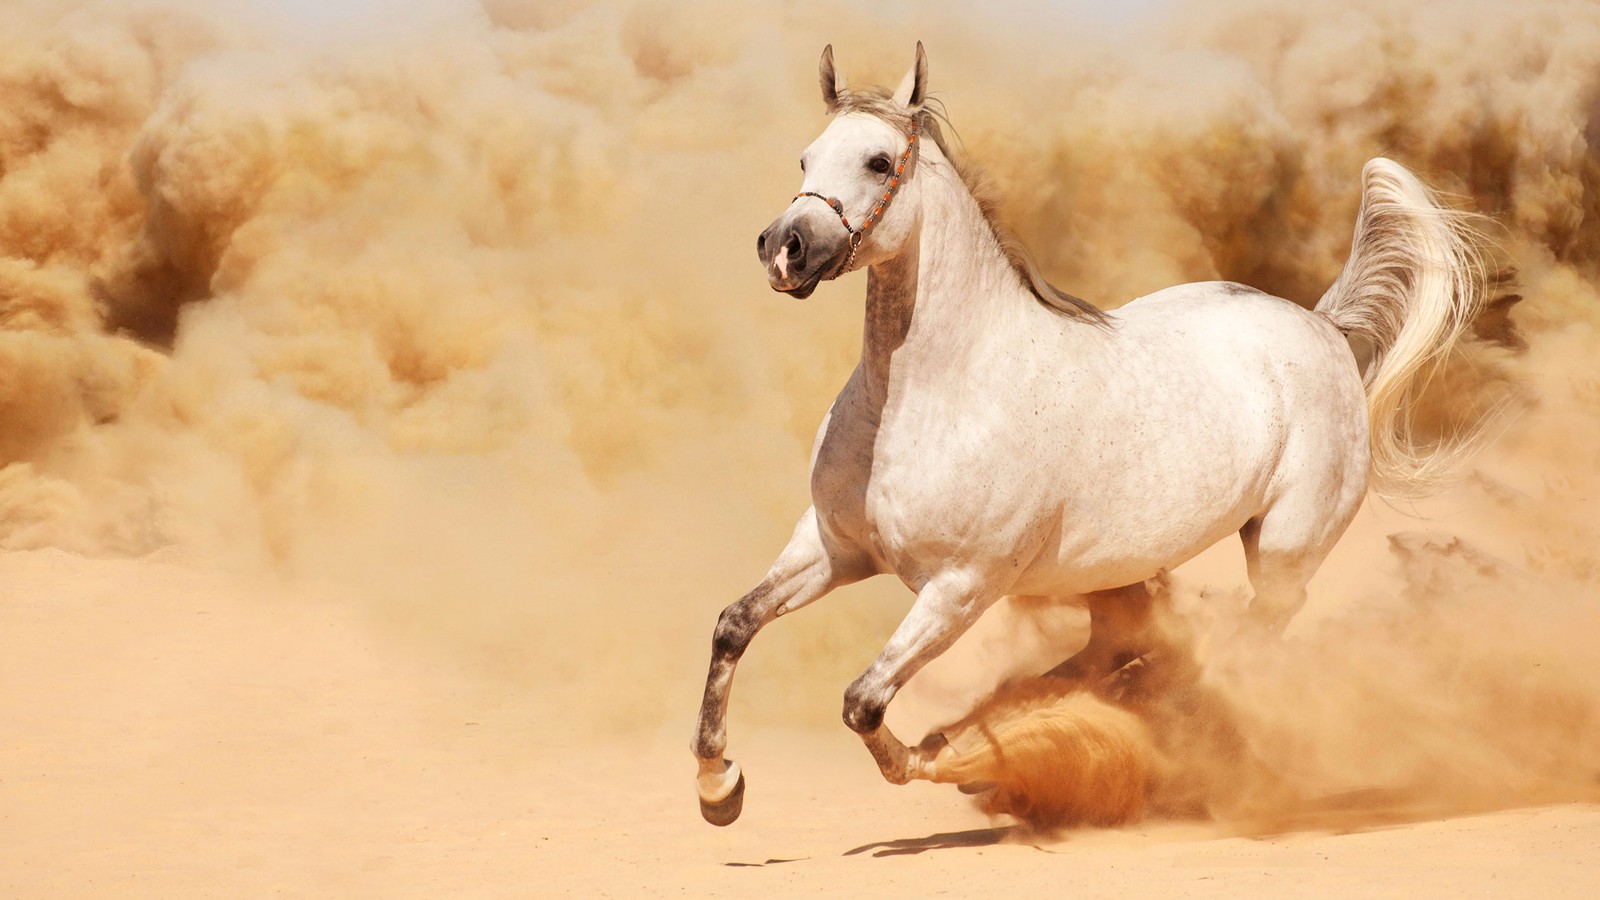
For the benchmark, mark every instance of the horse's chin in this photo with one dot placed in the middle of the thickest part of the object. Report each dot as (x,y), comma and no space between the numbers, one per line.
(824,272)
(802,290)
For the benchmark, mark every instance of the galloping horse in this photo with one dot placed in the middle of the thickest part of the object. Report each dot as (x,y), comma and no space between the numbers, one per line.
(1001,437)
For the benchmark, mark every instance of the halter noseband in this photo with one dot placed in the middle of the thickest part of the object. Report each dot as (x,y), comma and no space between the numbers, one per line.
(857,235)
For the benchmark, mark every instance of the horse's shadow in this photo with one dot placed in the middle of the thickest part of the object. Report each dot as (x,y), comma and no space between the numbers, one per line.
(976,837)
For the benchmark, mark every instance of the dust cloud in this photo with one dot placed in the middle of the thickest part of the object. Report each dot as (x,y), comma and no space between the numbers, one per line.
(459,313)
(1052,756)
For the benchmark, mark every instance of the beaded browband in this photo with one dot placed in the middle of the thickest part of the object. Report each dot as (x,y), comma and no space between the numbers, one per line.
(857,235)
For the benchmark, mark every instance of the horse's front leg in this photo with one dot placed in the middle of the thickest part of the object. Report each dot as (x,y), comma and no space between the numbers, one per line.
(945,608)
(803,573)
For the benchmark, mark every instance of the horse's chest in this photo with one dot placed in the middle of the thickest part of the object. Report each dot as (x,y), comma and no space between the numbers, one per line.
(909,499)
(841,476)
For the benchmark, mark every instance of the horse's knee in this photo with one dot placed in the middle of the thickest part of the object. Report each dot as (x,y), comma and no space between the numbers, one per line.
(735,628)
(864,705)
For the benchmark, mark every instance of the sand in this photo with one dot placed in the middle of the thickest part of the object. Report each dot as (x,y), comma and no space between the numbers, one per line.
(169,733)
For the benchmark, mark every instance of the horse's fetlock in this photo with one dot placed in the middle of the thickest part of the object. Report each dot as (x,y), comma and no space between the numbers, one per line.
(708,743)
(864,707)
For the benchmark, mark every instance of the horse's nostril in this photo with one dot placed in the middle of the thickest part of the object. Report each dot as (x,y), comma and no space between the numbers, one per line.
(761,242)
(796,247)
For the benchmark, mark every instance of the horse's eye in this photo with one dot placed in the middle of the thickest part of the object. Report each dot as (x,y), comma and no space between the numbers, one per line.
(879,164)
(802,165)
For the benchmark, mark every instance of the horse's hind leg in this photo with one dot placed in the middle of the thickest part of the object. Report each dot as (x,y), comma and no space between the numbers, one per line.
(803,573)
(1121,629)
(1283,548)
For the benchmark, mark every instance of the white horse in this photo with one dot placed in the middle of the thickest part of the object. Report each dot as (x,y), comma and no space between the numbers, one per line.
(1000,437)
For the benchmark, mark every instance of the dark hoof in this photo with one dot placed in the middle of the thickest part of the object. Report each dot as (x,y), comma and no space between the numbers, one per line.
(725,811)
(976,787)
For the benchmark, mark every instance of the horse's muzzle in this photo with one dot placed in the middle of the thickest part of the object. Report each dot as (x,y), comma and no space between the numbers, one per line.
(796,257)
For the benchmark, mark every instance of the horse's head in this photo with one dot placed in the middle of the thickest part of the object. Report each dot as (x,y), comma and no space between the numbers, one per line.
(856,206)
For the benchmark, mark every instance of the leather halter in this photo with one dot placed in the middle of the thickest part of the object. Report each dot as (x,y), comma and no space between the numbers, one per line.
(857,235)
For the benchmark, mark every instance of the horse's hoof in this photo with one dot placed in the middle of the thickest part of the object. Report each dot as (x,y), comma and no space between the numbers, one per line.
(722,794)
(976,787)
(725,811)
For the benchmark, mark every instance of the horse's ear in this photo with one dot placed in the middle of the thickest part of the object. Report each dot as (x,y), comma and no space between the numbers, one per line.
(914,87)
(831,87)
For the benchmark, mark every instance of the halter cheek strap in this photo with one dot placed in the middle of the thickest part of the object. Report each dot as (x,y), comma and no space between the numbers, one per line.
(857,235)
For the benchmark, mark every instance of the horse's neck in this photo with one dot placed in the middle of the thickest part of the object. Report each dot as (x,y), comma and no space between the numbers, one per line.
(950,298)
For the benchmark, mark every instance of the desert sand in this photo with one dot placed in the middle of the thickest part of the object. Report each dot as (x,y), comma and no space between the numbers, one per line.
(171,734)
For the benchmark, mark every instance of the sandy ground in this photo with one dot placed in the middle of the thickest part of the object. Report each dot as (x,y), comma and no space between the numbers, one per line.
(167,733)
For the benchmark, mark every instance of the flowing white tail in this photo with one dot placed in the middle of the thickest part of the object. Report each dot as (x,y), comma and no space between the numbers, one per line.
(1413,283)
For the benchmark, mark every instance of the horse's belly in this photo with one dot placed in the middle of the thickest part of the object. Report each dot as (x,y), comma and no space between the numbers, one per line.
(1125,553)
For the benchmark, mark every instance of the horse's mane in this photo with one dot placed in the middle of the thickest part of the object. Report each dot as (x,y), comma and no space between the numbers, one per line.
(880,104)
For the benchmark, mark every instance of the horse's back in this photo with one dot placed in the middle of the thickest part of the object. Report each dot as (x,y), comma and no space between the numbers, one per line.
(1276,365)
(1230,333)
(1227,313)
